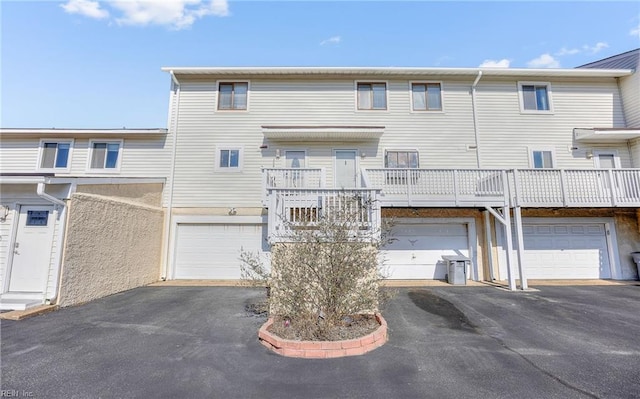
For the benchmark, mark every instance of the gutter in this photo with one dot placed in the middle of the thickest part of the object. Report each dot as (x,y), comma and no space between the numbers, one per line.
(169,216)
(475,117)
(40,191)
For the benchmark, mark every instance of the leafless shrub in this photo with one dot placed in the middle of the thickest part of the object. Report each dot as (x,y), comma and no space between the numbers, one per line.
(324,271)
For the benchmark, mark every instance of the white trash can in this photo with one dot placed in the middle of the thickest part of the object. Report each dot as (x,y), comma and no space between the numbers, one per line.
(457,267)
(636,258)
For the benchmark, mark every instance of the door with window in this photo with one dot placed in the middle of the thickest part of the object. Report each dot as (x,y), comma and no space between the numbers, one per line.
(345,169)
(32,249)
(295,159)
(609,160)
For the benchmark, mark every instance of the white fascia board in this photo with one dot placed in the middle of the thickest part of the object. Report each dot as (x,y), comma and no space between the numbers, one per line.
(400,71)
(36,132)
(605,135)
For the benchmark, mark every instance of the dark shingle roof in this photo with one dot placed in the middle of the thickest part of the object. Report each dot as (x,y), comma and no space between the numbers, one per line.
(626,60)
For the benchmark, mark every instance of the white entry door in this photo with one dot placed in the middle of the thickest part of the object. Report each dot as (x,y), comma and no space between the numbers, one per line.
(32,249)
(345,170)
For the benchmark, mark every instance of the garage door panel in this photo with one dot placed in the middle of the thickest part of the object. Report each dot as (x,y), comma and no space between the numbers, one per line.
(564,251)
(212,251)
(417,250)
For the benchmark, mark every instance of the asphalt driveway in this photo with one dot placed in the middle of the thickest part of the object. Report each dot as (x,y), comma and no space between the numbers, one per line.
(445,342)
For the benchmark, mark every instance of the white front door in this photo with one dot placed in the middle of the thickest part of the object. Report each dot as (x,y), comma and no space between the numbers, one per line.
(32,249)
(345,170)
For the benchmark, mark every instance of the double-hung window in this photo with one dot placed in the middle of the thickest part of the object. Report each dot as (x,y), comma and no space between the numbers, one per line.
(55,154)
(426,96)
(535,97)
(105,155)
(372,96)
(542,159)
(401,159)
(229,159)
(232,95)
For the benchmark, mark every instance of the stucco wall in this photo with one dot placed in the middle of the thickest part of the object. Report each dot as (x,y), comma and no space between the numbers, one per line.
(144,193)
(111,246)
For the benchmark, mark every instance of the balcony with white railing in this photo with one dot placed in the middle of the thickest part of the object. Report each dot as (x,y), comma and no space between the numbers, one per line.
(575,187)
(307,208)
(285,178)
(439,187)
(514,187)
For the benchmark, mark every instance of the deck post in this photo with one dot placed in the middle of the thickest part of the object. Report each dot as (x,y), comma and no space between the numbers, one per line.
(517,215)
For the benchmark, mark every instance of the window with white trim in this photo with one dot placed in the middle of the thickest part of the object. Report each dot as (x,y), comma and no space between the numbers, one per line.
(229,159)
(535,96)
(426,96)
(372,95)
(233,95)
(105,155)
(55,154)
(401,159)
(542,159)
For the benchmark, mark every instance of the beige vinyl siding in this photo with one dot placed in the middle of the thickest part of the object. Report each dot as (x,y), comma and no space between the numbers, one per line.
(54,258)
(634,149)
(630,88)
(202,127)
(442,138)
(506,134)
(17,156)
(141,157)
(5,235)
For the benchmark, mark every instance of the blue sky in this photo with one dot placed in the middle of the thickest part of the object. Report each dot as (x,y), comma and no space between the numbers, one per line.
(96,64)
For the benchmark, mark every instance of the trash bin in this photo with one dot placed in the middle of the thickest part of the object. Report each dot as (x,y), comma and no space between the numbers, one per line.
(457,267)
(636,258)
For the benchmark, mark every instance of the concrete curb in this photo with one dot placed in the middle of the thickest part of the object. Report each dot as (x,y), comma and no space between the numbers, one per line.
(324,349)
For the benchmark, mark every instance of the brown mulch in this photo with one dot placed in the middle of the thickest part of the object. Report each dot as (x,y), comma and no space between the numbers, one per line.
(351,327)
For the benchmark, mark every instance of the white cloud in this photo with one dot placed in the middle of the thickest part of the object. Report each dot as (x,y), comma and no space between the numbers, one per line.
(585,48)
(544,61)
(567,51)
(635,31)
(87,8)
(331,40)
(175,14)
(503,63)
(595,48)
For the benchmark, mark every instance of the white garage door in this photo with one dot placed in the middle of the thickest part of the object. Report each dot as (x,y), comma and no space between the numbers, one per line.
(212,251)
(564,251)
(418,249)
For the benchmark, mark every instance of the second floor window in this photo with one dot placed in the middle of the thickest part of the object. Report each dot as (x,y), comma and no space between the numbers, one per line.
(233,96)
(401,159)
(426,96)
(542,159)
(372,96)
(55,155)
(229,159)
(105,155)
(535,97)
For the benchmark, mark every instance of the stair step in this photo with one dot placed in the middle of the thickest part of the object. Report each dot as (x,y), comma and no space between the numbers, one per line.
(18,304)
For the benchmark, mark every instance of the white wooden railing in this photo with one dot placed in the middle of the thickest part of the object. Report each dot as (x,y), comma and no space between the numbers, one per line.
(291,178)
(514,187)
(294,208)
(439,187)
(576,187)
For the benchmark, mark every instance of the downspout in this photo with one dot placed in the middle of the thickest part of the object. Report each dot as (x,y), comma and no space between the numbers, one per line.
(169,216)
(475,117)
(40,191)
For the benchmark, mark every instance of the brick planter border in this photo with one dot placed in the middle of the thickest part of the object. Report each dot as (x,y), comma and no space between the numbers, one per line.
(324,349)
